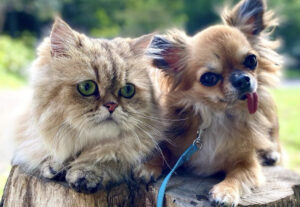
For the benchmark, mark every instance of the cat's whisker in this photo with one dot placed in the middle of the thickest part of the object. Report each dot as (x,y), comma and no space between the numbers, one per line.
(83,127)
(151,119)
(166,139)
(158,119)
(156,146)
(62,130)
(159,133)
(139,141)
(148,135)
(83,124)
(143,124)
(134,133)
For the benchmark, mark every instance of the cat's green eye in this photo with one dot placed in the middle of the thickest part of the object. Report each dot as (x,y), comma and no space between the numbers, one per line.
(127,91)
(87,88)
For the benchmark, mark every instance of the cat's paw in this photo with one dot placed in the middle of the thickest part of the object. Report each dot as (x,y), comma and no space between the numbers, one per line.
(52,170)
(223,195)
(84,181)
(146,174)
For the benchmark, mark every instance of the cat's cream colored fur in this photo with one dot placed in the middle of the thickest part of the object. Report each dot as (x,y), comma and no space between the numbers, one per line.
(63,130)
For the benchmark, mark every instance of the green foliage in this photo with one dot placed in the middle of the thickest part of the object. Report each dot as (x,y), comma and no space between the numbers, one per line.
(10,81)
(105,18)
(201,14)
(108,28)
(141,17)
(292,73)
(15,54)
(96,17)
(289,28)
(110,18)
(43,9)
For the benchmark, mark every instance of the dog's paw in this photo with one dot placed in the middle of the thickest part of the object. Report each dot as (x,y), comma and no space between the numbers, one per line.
(52,170)
(84,181)
(223,195)
(146,174)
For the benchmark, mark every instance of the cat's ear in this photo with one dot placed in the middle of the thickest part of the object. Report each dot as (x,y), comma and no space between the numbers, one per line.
(248,16)
(62,37)
(168,52)
(140,44)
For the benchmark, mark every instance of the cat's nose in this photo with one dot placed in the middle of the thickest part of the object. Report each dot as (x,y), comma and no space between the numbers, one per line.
(111,106)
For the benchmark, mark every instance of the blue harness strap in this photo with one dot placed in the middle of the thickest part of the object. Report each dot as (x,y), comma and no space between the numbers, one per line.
(183,158)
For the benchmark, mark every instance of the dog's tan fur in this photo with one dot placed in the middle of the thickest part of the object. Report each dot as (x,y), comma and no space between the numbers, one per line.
(231,137)
(59,123)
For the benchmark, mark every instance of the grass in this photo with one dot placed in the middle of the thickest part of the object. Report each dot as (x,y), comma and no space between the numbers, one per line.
(10,81)
(288,102)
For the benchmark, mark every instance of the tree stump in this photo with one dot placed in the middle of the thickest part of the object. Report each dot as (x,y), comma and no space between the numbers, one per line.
(282,189)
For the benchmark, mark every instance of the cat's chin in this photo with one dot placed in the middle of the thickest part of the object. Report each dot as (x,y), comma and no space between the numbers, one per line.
(107,129)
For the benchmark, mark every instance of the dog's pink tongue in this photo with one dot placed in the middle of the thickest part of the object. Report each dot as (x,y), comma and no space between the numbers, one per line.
(252,100)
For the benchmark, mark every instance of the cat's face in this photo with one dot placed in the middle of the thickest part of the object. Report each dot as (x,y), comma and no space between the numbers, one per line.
(99,87)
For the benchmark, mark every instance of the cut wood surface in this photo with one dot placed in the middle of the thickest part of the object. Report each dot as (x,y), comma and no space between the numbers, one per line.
(281,189)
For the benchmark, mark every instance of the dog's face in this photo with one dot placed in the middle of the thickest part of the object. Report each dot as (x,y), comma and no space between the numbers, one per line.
(219,66)
(222,68)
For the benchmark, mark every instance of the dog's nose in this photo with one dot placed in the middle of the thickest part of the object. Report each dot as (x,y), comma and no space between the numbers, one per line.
(111,106)
(241,81)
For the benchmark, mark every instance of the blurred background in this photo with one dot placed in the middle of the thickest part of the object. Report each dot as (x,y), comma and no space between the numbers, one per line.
(24,23)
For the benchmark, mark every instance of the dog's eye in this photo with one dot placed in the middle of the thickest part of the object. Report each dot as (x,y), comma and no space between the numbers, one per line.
(210,79)
(250,62)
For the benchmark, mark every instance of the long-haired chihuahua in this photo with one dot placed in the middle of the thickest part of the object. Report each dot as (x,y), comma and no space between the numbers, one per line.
(218,81)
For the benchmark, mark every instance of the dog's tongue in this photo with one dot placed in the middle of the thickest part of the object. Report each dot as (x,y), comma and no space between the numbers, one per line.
(252,100)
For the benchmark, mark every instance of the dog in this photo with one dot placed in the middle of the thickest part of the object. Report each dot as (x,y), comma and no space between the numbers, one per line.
(218,81)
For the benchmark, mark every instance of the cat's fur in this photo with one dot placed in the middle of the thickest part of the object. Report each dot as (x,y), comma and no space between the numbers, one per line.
(232,136)
(63,130)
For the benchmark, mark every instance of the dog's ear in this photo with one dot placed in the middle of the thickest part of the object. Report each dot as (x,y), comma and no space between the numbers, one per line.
(248,16)
(169,53)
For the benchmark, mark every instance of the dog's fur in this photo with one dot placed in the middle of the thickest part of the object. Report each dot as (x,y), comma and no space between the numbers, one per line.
(231,137)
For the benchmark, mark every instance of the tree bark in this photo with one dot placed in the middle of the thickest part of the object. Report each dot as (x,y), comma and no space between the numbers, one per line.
(282,189)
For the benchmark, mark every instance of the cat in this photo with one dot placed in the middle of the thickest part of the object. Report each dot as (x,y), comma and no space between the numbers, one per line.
(93,113)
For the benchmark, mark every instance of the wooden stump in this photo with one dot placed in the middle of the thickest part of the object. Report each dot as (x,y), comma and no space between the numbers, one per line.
(282,189)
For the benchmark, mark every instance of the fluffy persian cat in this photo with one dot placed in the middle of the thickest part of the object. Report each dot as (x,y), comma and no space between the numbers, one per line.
(93,114)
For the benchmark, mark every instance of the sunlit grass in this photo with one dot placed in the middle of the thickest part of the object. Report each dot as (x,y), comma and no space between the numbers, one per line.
(288,102)
(10,81)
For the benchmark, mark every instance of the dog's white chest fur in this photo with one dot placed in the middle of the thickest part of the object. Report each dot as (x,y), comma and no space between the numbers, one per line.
(218,143)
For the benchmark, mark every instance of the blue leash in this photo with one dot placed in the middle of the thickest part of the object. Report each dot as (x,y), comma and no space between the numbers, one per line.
(197,145)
